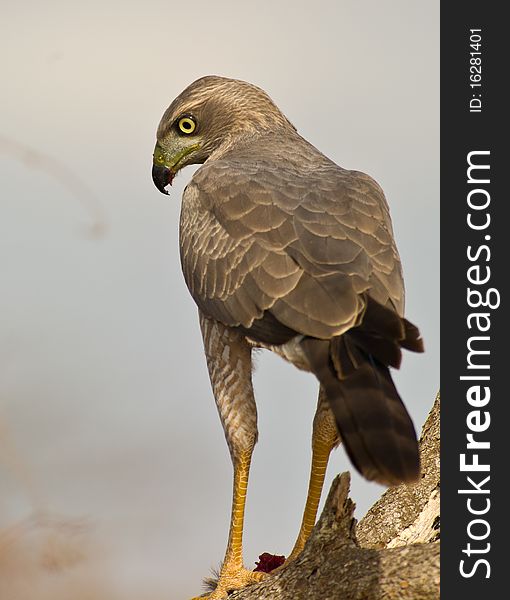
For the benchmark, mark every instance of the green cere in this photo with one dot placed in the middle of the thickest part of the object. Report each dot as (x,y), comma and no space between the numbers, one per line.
(171,161)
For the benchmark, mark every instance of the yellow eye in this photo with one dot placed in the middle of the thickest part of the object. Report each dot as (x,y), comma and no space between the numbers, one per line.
(187,125)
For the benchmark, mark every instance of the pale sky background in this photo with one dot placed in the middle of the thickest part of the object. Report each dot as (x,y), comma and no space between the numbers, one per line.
(105,406)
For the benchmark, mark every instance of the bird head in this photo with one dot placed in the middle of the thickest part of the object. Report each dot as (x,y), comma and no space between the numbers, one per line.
(206,119)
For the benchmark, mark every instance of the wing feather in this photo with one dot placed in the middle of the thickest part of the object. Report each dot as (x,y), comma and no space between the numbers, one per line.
(296,236)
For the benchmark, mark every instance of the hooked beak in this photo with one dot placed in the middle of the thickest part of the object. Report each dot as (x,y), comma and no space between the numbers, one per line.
(162,172)
(162,176)
(166,164)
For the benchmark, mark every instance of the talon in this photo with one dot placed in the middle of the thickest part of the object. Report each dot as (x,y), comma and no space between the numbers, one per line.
(230,581)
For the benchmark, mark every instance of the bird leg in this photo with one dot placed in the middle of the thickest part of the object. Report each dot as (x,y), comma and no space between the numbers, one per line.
(324,439)
(233,574)
(229,362)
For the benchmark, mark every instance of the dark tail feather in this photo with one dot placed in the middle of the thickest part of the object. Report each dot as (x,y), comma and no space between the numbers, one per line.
(383,333)
(374,425)
(412,340)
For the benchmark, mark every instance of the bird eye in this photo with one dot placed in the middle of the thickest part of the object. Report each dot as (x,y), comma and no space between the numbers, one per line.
(186,125)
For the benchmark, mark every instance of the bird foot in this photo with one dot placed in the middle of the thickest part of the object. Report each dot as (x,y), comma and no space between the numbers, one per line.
(231,580)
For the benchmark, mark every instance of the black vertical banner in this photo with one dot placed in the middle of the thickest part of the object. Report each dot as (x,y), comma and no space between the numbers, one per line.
(475,250)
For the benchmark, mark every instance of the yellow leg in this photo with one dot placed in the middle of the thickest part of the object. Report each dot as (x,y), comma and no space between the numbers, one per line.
(233,574)
(229,362)
(324,439)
